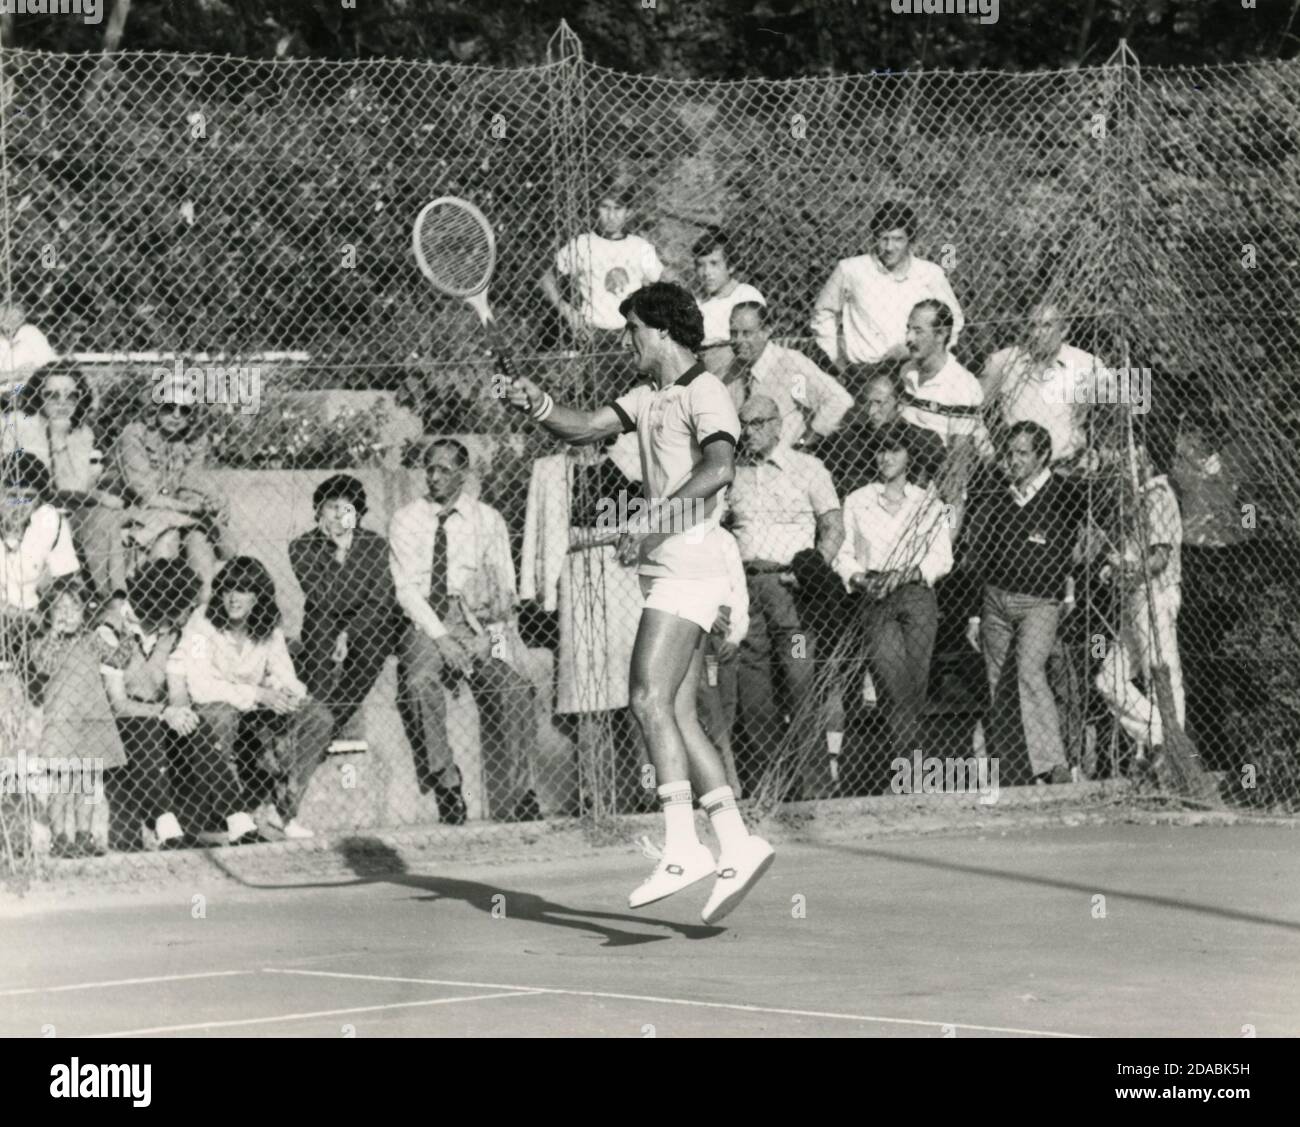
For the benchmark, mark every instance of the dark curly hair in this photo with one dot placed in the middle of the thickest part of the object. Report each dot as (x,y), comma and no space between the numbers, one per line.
(160,589)
(249,575)
(32,396)
(666,305)
(343,487)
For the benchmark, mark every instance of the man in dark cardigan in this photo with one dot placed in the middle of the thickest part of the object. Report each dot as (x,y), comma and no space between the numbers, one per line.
(1022,543)
(349,620)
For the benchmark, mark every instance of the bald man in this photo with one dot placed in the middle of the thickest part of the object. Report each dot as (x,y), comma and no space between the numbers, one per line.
(786,518)
(1044,381)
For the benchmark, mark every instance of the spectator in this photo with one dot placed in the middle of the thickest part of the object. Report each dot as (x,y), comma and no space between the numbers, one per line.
(603,266)
(850,454)
(158,464)
(1210,471)
(238,673)
(454,575)
(1044,381)
(722,293)
(173,764)
(23,347)
(1022,543)
(78,723)
(861,315)
(782,505)
(349,620)
(810,402)
(52,422)
(942,396)
(1146,570)
(35,547)
(897,546)
(718,695)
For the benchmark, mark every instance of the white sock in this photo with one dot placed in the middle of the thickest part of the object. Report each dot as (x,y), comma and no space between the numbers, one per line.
(834,742)
(720,805)
(167,827)
(239,824)
(679,816)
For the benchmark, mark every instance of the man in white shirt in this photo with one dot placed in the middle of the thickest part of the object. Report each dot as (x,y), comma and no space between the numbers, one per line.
(602,267)
(722,293)
(1044,381)
(860,316)
(23,347)
(1147,569)
(455,579)
(897,545)
(942,396)
(783,504)
(812,403)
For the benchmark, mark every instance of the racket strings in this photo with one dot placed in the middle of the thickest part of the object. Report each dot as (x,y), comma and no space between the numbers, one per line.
(455,248)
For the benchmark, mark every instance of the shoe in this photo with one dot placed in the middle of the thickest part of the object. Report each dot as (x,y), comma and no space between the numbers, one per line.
(64,849)
(451,805)
(167,832)
(527,809)
(738,872)
(182,842)
(250,837)
(88,846)
(268,818)
(294,830)
(675,871)
(1058,775)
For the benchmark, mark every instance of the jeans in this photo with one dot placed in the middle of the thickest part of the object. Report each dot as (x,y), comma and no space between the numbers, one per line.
(1031,622)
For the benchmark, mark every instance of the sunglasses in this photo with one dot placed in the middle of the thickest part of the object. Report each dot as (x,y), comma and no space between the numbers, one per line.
(181,409)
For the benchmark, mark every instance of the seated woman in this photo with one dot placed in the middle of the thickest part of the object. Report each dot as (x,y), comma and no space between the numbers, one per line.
(172,763)
(236,669)
(158,463)
(52,422)
(349,623)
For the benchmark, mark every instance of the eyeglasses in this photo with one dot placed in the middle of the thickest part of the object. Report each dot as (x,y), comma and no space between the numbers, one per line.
(181,409)
(60,395)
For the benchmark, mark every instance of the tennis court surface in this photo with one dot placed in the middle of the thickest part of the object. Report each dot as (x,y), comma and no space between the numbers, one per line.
(966,934)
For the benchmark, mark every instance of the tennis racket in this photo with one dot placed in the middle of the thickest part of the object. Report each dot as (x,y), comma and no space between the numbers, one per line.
(456,249)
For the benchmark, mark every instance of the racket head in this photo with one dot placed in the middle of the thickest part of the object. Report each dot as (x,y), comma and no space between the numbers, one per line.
(454,246)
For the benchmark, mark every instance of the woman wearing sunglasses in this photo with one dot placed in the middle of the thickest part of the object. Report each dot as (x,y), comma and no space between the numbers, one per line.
(160,462)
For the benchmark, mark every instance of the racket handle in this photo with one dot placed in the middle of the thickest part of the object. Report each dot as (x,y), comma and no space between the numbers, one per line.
(500,350)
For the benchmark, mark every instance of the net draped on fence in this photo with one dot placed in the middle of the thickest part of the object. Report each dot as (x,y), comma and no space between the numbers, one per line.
(253,218)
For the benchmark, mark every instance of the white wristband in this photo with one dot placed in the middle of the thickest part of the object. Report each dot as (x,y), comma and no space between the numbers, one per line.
(548,405)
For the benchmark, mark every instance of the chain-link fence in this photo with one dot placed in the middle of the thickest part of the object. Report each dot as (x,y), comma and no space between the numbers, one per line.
(1078,462)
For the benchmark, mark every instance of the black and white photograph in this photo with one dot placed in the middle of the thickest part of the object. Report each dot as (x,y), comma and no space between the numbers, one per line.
(599,519)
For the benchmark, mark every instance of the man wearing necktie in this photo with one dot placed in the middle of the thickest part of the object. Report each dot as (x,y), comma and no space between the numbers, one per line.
(455,579)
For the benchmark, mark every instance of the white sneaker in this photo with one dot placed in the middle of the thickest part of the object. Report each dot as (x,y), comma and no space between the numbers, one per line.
(167,828)
(237,825)
(294,830)
(738,872)
(674,872)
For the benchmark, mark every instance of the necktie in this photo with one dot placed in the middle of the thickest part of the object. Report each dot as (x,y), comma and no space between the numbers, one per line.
(438,587)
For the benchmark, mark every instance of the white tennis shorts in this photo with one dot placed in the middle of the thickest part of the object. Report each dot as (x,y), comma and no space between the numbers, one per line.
(696,600)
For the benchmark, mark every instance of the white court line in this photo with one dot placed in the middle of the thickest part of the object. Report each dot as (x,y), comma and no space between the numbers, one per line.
(303,1016)
(120,982)
(525,990)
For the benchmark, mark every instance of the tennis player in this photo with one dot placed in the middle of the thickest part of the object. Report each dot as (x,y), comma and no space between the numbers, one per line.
(686,427)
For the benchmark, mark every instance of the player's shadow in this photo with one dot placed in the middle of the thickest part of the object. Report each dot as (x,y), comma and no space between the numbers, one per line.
(373,862)
(364,856)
